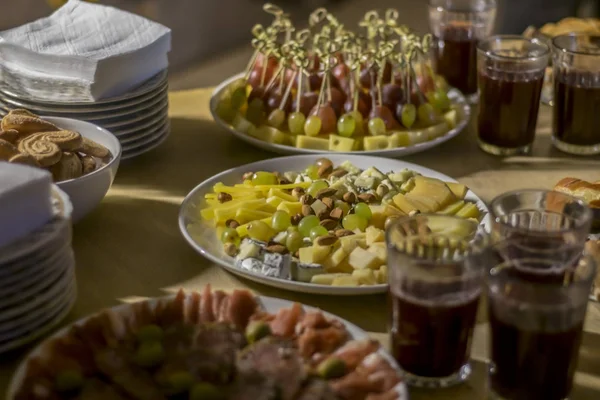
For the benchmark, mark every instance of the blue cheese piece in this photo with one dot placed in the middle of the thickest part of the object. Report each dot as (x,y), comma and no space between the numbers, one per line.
(304,272)
(25,201)
(276,265)
(250,264)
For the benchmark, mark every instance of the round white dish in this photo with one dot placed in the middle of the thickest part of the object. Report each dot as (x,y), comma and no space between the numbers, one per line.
(271,305)
(126,130)
(134,152)
(455,95)
(201,236)
(88,191)
(135,118)
(150,137)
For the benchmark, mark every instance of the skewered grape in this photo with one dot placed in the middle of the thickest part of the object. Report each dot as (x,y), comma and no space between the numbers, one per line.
(407,114)
(346,125)
(312,126)
(296,122)
(276,118)
(376,126)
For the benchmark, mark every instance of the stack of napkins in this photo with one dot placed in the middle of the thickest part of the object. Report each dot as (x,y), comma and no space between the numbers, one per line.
(83,52)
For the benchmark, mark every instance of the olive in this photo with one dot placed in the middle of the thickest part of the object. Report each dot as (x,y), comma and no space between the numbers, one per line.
(205,391)
(149,333)
(257,330)
(69,380)
(332,368)
(149,354)
(179,382)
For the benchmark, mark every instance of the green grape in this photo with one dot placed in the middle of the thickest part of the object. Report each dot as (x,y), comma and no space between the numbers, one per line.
(238,97)
(346,125)
(408,115)
(343,205)
(363,210)
(355,221)
(276,118)
(439,100)
(150,332)
(359,122)
(312,126)
(294,241)
(149,354)
(256,112)
(258,230)
(281,221)
(426,114)
(314,187)
(264,178)
(68,381)
(376,126)
(230,235)
(307,223)
(317,231)
(206,391)
(225,111)
(440,83)
(312,171)
(296,122)
(178,382)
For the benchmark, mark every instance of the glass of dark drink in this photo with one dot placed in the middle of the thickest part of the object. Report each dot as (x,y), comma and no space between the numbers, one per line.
(576,122)
(536,323)
(511,75)
(435,278)
(457,26)
(543,220)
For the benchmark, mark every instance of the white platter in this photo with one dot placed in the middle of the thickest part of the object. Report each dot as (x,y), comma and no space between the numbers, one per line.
(137,151)
(455,95)
(271,305)
(201,236)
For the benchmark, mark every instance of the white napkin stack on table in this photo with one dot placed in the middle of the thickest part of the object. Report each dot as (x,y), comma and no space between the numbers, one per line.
(83,52)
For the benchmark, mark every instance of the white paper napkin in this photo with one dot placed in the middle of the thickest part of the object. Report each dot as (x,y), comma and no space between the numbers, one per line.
(98,50)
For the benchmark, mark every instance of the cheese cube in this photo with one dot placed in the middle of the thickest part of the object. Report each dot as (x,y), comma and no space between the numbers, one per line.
(362,259)
(335,259)
(365,276)
(313,254)
(374,235)
(379,249)
(347,280)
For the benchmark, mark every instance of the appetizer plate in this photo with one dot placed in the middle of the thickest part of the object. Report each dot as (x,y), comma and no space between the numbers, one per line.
(202,236)
(269,304)
(458,99)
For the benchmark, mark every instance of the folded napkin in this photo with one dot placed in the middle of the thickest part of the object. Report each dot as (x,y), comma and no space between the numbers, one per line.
(95,51)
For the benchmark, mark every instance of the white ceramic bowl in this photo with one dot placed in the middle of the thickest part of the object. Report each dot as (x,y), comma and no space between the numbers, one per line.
(87,192)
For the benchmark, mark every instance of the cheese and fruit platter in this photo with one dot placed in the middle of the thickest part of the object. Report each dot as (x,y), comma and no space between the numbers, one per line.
(330,89)
(315,224)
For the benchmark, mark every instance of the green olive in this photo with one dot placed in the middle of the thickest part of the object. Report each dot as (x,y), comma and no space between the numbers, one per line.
(69,380)
(205,391)
(150,333)
(257,330)
(178,382)
(332,368)
(149,354)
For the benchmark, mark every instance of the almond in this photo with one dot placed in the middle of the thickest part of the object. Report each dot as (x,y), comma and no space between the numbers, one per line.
(326,240)
(224,197)
(367,198)
(276,248)
(336,214)
(307,210)
(329,224)
(338,173)
(328,201)
(327,192)
(343,232)
(349,197)
(325,170)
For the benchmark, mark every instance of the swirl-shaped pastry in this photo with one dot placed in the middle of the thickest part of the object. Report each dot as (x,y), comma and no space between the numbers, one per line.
(88,163)
(23,158)
(65,140)
(10,135)
(91,148)
(69,167)
(26,123)
(44,151)
(7,150)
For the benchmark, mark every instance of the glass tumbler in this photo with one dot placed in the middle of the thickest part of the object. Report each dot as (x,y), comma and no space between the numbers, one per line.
(576,111)
(511,75)
(457,26)
(536,324)
(435,279)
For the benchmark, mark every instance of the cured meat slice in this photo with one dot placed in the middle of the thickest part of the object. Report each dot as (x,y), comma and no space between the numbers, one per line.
(206,307)
(284,323)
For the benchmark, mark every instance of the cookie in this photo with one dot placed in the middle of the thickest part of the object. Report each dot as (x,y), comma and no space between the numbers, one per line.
(26,123)
(10,135)
(7,150)
(69,167)
(88,163)
(26,159)
(65,140)
(91,148)
(44,151)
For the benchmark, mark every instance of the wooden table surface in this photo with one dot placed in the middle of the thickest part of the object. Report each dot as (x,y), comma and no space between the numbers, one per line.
(131,245)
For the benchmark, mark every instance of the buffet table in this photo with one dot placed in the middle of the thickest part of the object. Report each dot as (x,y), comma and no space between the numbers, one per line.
(130,247)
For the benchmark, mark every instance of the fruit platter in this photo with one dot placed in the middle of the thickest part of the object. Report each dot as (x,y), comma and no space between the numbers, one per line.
(331,89)
(316,225)
(210,345)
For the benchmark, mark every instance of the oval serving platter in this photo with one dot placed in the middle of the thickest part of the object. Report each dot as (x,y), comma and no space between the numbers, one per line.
(457,98)
(202,236)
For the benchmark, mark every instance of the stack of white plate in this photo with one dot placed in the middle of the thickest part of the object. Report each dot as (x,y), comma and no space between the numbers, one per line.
(37,279)
(139,118)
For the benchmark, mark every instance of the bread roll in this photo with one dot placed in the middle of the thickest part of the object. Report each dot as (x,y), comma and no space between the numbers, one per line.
(586,191)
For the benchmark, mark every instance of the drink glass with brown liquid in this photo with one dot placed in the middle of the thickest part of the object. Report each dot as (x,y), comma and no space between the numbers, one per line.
(457,26)
(576,111)
(435,283)
(511,75)
(536,322)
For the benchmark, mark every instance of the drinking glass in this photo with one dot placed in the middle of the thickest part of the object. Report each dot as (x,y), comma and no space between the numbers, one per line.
(576,111)
(511,75)
(457,26)
(536,323)
(543,220)
(435,278)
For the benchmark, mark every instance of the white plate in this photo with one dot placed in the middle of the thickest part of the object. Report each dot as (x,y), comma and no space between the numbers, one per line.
(146,148)
(157,109)
(144,133)
(124,131)
(150,137)
(455,95)
(271,305)
(201,236)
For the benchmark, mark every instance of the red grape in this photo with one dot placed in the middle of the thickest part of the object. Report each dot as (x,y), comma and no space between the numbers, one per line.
(426,83)
(341,71)
(315,81)
(392,94)
(328,117)
(337,100)
(256,93)
(363,106)
(387,116)
(307,101)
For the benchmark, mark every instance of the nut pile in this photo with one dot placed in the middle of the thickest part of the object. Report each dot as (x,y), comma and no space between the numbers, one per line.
(27,139)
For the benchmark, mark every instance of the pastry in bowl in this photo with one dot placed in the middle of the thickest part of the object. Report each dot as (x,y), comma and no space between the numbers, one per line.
(586,191)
